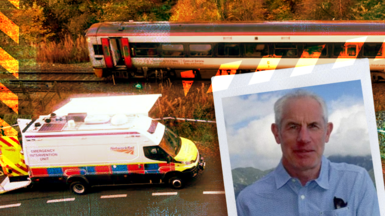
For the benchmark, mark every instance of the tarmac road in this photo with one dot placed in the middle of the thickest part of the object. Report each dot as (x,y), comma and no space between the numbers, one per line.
(204,195)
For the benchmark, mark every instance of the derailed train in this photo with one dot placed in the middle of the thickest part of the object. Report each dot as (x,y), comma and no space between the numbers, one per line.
(157,50)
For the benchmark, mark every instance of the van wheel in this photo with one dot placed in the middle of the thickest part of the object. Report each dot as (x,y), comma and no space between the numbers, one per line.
(79,187)
(176,182)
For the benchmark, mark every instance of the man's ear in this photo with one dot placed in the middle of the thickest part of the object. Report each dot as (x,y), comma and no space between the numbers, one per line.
(329,129)
(275,130)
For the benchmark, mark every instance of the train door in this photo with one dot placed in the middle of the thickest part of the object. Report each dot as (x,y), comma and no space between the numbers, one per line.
(116,52)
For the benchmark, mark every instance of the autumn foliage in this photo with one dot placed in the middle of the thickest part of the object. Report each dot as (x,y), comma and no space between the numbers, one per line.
(195,11)
(50,24)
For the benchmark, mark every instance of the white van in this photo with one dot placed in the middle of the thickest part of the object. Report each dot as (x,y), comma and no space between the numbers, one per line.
(98,141)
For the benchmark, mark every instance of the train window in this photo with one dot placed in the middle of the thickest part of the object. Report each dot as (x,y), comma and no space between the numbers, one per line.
(338,50)
(225,49)
(342,50)
(98,49)
(146,49)
(314,51)
(256,50)
(172,49)
(352,50)
(372,50)
(286,50)
(200,49)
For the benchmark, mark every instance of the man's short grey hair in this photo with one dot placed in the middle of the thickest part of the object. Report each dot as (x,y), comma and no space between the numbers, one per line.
(280,103)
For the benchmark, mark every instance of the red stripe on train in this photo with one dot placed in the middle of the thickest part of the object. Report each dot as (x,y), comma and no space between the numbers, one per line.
(238,34)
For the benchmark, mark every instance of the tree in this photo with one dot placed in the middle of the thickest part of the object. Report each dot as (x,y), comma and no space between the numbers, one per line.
(326,10)
(195,11)
(138,10)
(31,20)
(72,16)
(369,10)
(244,10)
(281,9)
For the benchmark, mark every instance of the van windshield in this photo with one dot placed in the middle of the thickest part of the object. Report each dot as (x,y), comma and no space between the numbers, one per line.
(170,143)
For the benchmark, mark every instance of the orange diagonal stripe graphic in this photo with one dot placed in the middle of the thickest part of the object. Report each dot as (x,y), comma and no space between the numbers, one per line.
(187,84)
(9,63)
(9,98)
(8,131)
(9,27)
(15,3)
(226,69)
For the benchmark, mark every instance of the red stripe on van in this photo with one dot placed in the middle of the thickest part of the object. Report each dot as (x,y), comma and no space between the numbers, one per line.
(68,171)
(165,167)
(25,169)
(103,170)
(39,172)
(136,168)
(5,142)
(14,139)
(14,171)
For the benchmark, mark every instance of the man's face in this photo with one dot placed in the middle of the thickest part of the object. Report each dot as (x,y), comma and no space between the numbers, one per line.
(302,134)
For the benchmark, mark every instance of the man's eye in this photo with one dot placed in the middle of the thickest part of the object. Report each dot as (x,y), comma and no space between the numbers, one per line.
(293,127)
(313,126)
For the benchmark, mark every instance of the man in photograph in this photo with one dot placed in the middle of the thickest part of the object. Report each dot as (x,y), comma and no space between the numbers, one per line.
(305,182)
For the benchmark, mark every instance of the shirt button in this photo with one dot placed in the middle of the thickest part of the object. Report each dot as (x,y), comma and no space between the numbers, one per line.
(302,196)
(293,180)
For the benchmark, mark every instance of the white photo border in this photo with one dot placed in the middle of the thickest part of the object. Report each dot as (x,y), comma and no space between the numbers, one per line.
(292,78)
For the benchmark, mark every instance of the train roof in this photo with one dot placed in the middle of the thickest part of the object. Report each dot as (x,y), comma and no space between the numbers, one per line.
(255,28)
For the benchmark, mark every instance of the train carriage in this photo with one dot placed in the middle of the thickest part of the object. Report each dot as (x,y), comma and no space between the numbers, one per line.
(157,50)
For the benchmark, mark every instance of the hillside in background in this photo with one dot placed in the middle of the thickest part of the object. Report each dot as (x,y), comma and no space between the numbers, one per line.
(242,177)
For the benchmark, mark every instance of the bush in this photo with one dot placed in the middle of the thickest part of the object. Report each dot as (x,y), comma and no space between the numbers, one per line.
(67,51)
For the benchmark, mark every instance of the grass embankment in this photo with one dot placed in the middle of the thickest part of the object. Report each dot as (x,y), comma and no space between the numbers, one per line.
(30,56)
(196,105)
(67,51)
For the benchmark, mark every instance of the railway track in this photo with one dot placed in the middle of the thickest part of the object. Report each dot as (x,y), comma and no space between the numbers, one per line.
(28,77)
(67,77)
(43,81)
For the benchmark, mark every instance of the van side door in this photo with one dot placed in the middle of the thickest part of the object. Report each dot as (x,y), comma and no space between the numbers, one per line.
(162,163)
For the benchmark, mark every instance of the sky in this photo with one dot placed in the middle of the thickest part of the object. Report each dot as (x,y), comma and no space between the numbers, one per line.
(248,120)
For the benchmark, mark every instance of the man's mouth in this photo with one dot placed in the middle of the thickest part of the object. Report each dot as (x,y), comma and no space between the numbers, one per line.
(303,152)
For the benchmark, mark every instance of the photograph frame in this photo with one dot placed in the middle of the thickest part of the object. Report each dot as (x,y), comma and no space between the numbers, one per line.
(293,78)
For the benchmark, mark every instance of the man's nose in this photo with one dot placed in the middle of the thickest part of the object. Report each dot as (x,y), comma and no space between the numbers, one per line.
(303,135)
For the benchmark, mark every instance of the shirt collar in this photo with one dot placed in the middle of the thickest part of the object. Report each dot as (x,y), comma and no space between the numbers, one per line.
(281,175)
(323,178)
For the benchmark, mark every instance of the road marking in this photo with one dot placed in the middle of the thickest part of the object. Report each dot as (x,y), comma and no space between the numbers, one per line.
(165,194)
(10,205)
(113,196)
(61,200)
(213,192)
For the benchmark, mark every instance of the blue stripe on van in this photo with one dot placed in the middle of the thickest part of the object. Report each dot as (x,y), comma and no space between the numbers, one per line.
(151,168)
(91,170)
(83,170)
(119,169)
(54,171)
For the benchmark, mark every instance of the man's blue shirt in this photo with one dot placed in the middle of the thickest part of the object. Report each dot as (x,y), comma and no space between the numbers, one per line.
(279,194)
